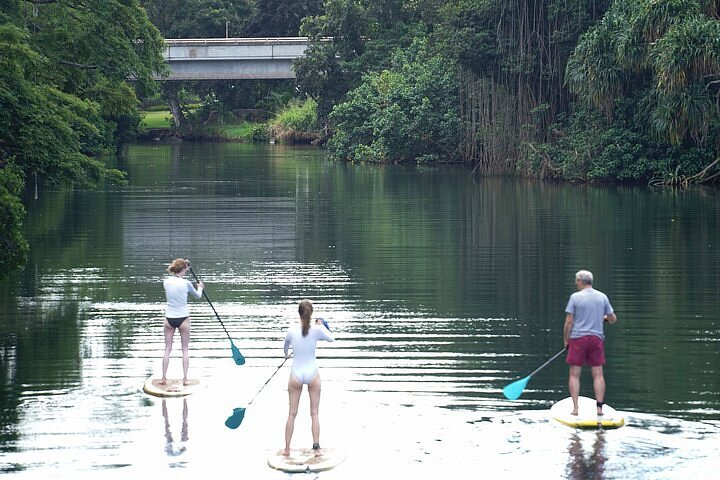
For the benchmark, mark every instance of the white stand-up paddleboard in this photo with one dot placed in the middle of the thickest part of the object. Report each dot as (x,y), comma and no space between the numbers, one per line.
(306,460)
(173,387)
(587,416)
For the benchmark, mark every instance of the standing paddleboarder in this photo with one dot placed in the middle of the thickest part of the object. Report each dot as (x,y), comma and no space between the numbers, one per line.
(177,315)
(584,338)
(303,339)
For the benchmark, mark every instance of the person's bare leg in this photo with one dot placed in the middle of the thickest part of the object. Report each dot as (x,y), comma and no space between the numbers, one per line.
(314,388)
(169,335)
(294,391)
(185,345)
(599,386)
(574,386)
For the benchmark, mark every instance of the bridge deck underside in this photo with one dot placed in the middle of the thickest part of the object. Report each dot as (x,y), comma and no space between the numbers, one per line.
(218,69)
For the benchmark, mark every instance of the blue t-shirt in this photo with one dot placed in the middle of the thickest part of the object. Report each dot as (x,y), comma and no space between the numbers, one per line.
(588,307)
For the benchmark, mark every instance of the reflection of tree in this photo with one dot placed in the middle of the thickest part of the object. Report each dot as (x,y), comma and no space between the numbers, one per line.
(39,351)
(591,467)
(171,448)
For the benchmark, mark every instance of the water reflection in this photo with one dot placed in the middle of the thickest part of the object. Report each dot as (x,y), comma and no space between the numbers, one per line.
(444,290)
(590,464)
(173,448)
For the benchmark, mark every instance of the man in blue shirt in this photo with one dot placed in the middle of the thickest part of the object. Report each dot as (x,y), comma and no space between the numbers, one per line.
(586,312)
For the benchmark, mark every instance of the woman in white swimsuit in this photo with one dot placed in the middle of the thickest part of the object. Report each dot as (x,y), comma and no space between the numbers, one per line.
(177,315)
(303,339)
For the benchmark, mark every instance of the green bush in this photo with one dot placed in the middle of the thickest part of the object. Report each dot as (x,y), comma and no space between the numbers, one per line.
(260,132)
(589,147)
(297,115)
(405,114)
(296,123)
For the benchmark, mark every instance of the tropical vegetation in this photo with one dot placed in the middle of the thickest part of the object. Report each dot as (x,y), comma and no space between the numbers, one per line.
(585,91)
(603,91)
(65,96)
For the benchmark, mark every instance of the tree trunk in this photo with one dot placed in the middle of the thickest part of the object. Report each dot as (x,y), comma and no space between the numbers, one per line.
(171,91)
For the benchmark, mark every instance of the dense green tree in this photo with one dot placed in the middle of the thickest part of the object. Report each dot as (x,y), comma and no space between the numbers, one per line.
(200,18)
(363,36)
(64,94)
(512,55)
(92,48)
(280,18)
(660,61)
(406,113)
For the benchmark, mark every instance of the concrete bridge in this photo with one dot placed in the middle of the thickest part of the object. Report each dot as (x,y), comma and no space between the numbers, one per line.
(233,58)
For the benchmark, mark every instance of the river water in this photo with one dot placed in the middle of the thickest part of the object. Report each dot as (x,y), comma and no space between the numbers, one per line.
(441,289)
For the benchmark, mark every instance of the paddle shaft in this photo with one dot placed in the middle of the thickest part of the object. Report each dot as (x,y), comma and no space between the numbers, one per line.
(268,380)
(211,305)
(548,362)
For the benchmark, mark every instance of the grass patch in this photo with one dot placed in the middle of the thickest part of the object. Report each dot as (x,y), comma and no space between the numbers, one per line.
(156,119)
(241,132)
(296,123)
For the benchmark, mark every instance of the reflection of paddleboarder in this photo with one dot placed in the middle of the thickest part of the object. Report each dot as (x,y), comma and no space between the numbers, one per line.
(592,466)
(177,315)
(303,339)
(170,444)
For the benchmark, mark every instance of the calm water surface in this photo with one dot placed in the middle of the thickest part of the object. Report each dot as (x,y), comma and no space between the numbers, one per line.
(441,290)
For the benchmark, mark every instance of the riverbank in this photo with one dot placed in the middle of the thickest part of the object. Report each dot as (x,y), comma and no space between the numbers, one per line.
(158,126)
(294,124)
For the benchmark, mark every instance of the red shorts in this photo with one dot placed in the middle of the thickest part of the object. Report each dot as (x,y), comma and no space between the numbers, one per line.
(587,350)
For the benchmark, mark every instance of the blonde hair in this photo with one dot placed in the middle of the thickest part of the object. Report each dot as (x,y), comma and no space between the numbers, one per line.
(305,309)
(178,265)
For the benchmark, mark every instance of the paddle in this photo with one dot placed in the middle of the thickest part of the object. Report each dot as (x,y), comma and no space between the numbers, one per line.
(515,389)
(238,414)
(325,324)
(237,356)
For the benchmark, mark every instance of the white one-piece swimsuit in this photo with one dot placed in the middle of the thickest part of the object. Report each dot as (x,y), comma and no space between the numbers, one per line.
(304,366)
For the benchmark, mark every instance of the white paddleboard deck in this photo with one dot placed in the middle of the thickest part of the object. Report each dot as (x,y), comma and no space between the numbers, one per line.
(587,416)
(173,387)
(306,460)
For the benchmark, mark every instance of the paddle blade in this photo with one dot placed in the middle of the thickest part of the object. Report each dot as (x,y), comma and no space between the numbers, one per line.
(237,356)
(515,389)
(234,420)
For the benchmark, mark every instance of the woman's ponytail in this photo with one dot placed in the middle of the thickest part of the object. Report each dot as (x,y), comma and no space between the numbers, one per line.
(305,309)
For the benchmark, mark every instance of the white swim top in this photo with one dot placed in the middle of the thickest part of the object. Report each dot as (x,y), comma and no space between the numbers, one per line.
(176,293)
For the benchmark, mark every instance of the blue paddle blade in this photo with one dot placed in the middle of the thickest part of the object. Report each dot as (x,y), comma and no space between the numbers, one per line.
(515,389)
(236,418)
(325,323)
(237,356)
